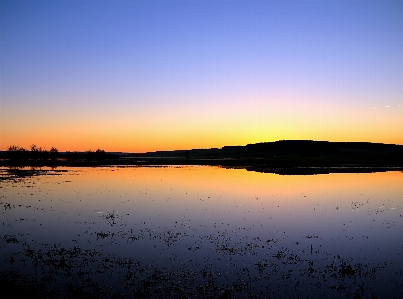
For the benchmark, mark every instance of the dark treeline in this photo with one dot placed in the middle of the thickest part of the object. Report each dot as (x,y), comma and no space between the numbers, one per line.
(38,155)
(15,152)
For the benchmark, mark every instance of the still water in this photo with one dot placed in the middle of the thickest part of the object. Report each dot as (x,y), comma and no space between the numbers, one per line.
(203,232)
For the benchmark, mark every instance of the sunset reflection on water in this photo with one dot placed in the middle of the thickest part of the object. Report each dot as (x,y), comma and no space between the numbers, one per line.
(185,217)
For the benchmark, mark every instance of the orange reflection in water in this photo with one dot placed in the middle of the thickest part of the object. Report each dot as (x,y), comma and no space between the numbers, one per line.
(240,181)
(205,181)
(191,187)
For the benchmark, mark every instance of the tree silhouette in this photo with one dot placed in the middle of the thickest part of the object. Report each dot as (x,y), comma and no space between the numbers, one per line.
(34,151)
(16,152)
(54,150)
(15,148)
(54,153)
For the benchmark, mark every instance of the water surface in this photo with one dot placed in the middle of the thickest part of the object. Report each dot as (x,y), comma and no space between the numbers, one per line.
(203,232)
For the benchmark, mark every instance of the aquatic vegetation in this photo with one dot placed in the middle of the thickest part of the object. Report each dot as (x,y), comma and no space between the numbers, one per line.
(72,270)
(111,218)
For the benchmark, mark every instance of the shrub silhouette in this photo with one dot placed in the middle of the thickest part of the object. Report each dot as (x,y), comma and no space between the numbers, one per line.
(54,152)
(17,153)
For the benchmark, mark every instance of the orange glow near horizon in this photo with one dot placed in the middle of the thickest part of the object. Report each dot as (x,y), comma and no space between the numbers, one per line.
(85,143)
(196,126)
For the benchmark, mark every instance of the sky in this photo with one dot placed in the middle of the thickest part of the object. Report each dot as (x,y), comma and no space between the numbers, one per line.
(139,76)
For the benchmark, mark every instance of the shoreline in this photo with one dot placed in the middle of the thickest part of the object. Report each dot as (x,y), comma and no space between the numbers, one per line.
(281,167)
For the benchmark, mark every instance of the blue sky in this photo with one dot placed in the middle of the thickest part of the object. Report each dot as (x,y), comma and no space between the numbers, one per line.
(221,63)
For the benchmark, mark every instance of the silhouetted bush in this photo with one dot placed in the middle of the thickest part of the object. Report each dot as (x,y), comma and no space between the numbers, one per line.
(20,154)
(17,153)
(100,155)
(54,152)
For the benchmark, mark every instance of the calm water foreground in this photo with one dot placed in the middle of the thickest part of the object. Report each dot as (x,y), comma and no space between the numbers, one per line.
(202,232)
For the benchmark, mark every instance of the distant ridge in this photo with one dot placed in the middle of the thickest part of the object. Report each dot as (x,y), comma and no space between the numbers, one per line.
(298,145)
(286,147)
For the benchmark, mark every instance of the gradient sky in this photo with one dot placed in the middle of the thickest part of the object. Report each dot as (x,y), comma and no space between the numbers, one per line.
(161,75)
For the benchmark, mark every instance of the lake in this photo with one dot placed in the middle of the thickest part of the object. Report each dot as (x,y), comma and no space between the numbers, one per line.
(200,231)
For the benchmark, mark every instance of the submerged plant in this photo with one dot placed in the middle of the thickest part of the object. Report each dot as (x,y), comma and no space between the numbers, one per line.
(111,217)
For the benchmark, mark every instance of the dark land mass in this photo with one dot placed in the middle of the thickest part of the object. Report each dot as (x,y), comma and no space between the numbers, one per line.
(281,157)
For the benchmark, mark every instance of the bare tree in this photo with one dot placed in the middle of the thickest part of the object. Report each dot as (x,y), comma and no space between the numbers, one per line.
(54,150)
(34,148)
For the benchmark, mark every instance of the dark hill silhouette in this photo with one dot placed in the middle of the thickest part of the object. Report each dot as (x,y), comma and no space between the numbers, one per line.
(319,146)
(287,148)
